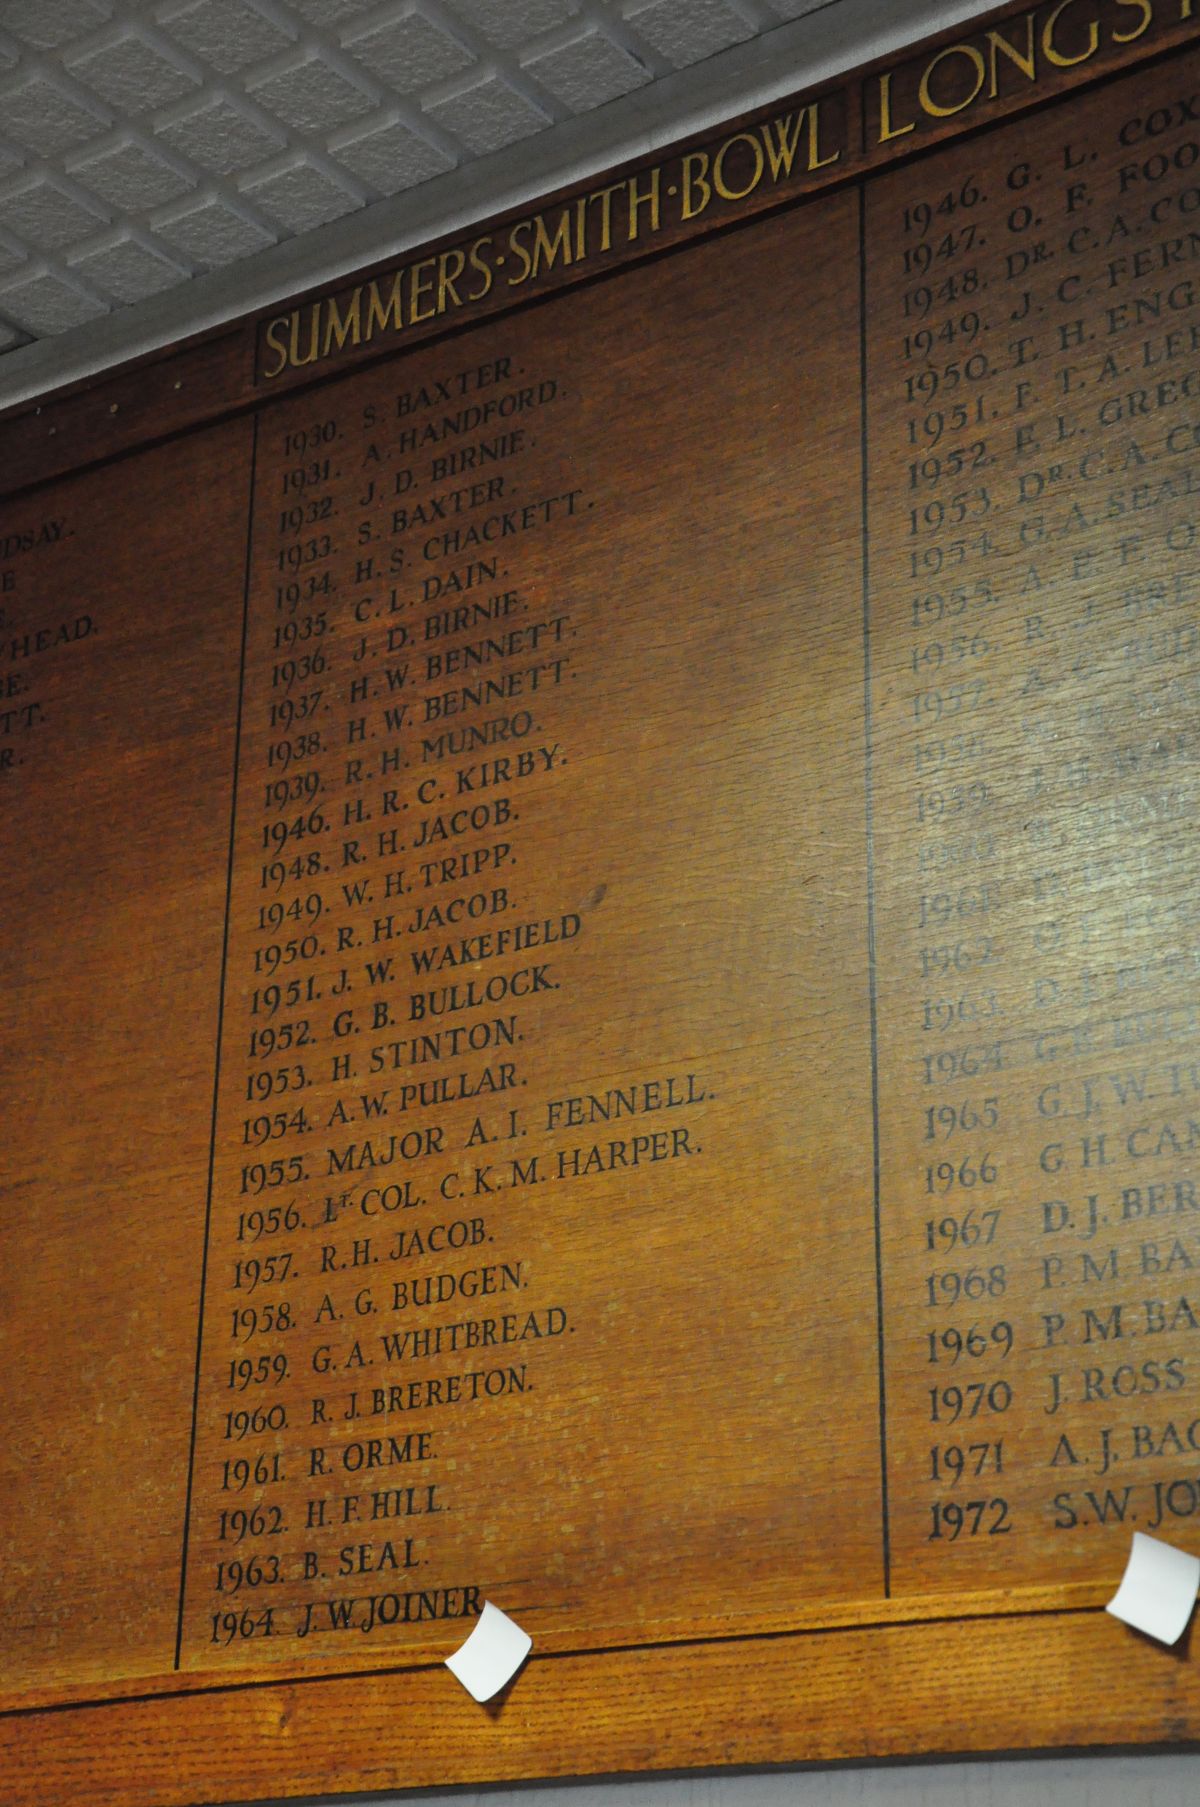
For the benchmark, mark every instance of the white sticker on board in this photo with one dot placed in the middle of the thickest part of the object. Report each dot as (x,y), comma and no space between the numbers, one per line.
(1158,1589)
(491,1655)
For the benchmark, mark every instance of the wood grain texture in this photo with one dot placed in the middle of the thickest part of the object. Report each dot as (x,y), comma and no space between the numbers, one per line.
(676,920)
(1016,1684)
(703,1354)
(118,801)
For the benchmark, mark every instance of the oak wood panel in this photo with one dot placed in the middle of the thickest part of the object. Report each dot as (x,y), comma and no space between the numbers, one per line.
(116,820)
(751,534)
(119,411)
(639,807)
(1034,651)
(1012,1684)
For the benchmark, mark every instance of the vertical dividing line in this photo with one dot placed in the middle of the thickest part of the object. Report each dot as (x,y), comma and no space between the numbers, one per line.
(212,1135)
(869,753)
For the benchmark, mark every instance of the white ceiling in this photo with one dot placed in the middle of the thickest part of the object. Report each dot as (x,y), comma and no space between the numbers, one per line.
(149,148)
(143,143)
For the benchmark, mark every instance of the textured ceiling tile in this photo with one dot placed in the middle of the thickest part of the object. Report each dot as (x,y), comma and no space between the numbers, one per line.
(45,304)
(509,22)
(220,136)
(408,53)
(488,115)
(301,197)
(311,96)
(211,232)
(131,177)
(40,116)
(128,270)
(229,34)
(686,31)
(10,336)
(48,23)
(319,131)
(44,216)
(588,71)
(390,157)
(332,12)
(131,74)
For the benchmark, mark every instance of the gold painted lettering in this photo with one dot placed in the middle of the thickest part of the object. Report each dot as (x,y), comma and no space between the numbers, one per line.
(339,329)
(723,188)
(277,345)
(780,138)
(311,355)
(935,108)
(546,249)
(604,196)
(381,314)
(1051,50)
(1146,10)
(886,129)
(815,159)
(451,265)
(516,244)
(1025,61)
(479,263)
(1062,34)
(639,198)
(420,290)
(695,172)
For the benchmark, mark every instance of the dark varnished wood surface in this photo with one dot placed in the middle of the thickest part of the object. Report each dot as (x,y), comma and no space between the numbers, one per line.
(804,788)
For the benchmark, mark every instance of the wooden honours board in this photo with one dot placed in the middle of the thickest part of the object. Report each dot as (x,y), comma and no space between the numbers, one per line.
(601,968)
